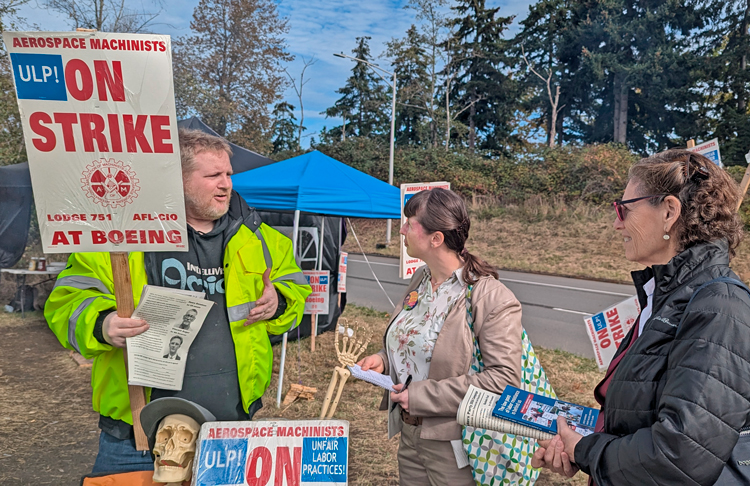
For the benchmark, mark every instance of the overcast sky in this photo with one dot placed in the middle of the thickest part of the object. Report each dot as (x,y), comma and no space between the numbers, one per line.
(316,28)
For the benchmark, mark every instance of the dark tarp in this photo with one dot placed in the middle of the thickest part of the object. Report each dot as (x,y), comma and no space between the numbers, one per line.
(15,212)
(242,160)
(307,242)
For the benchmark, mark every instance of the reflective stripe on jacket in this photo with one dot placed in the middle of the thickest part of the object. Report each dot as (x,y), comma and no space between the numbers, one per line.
(85,288)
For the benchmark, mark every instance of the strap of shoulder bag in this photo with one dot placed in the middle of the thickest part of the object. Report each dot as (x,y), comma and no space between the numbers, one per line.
(729,280)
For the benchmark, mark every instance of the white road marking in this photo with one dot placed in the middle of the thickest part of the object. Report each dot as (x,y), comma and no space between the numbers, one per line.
(375,263)
(566,287)
(594,291)
(572,311)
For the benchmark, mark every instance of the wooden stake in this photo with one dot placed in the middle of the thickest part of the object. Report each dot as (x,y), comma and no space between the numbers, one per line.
(743,186)
(125,308)
(313,331)
(691,143)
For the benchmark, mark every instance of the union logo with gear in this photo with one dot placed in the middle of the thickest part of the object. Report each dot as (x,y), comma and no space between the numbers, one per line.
(110,182)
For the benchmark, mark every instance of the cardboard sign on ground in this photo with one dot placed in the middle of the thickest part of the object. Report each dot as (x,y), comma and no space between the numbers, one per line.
(267,452)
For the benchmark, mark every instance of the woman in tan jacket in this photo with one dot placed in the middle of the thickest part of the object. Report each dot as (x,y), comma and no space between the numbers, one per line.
(429,338)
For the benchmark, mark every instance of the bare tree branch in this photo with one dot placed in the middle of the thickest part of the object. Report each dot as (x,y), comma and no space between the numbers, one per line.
(105,15)
(306,64)
(553,100)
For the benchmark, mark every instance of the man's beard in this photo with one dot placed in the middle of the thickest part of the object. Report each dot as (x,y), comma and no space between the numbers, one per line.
(205,211)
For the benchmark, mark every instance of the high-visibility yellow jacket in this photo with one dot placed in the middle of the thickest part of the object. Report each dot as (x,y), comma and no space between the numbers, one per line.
(85,288)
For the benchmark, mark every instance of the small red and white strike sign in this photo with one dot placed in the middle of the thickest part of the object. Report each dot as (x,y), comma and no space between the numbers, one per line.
(273,453)
(343,263)
(609,327)
(408,265)
(98,117)
(317,301)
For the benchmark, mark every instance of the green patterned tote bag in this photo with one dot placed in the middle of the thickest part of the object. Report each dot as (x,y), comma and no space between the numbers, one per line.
(497,458)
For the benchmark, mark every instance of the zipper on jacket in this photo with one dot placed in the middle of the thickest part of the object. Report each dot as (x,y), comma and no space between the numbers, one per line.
(744,431)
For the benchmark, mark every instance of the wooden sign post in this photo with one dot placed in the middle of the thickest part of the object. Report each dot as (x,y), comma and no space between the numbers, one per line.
(743,186)
(125,308)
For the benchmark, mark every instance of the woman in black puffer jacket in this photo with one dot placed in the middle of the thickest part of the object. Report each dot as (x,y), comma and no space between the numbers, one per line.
(676,397)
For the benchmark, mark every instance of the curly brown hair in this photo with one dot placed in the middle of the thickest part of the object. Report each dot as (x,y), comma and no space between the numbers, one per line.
(708,195)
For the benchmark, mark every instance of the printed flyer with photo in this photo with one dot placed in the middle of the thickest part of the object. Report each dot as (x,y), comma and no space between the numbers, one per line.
(539,412)
(157,357)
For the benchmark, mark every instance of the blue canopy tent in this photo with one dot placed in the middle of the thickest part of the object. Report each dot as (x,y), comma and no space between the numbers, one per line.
(316,184)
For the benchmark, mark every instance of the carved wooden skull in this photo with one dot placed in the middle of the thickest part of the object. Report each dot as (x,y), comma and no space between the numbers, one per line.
(174,449)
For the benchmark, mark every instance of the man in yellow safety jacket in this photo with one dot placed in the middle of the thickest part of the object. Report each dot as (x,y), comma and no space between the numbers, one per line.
(246,267)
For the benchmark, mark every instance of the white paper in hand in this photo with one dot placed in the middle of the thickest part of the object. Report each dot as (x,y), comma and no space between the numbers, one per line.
(157,357)
(383,381)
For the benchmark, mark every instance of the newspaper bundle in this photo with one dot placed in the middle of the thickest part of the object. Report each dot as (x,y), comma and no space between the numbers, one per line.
(157,357)
(476,411)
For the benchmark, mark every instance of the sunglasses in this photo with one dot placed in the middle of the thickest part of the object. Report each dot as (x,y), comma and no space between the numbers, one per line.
(621,210)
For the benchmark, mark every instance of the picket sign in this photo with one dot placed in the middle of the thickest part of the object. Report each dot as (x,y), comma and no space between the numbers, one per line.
(98,117)
(407,264)
(745,178)
(272,452)
(745,182)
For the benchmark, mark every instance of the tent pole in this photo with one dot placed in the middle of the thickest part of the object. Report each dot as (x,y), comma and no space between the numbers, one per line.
(295,231)
(338,257)
(320,267)
(295,234)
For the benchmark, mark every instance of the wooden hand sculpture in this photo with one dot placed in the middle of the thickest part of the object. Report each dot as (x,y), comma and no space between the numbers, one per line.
(354,344)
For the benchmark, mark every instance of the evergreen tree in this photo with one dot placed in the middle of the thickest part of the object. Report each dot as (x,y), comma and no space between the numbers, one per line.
(364,101)
(432,27)
(487,96)
(284,128)
(726,80)
(637,65)
(410,63)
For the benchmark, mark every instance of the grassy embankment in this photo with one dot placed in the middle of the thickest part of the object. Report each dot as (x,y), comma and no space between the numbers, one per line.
(540,236)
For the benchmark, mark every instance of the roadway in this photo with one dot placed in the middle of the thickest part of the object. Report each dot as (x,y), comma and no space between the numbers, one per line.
(553,307)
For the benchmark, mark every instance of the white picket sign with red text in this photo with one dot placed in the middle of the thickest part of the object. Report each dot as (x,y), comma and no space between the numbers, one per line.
(99,122)
(273,453)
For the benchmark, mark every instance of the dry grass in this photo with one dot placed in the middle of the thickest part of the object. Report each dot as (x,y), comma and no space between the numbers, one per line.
(541,236)
(371,234)
(48,432)
(373,456)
